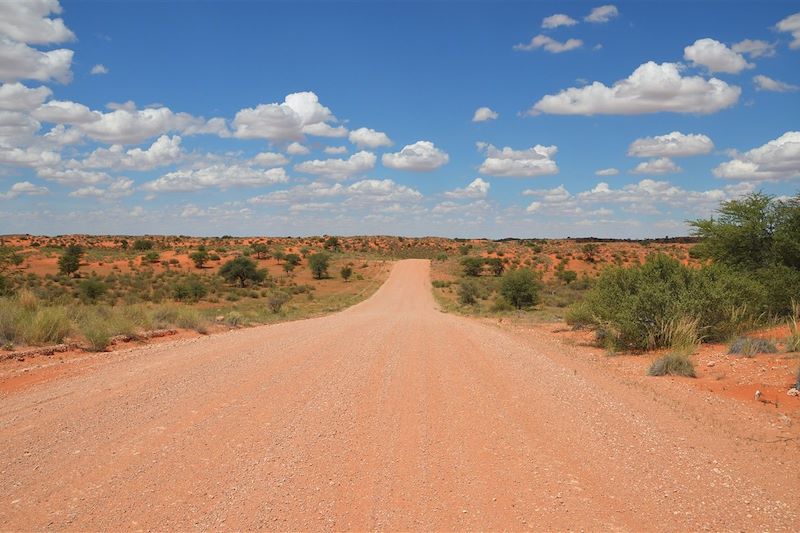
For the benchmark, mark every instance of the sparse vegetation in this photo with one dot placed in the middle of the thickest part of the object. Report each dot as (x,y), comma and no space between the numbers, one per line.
(672,364)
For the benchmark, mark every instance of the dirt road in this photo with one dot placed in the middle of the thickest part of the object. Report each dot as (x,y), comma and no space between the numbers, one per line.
(390,416)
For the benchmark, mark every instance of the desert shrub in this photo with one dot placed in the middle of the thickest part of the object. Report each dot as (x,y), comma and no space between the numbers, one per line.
(793,322)
(190,289)
(567,276)
(199,258)
(92,288)
(520,288)
(346,272)
(467,293)
(579,315)
(440,284)
(472,266)
(48,325)
(242,270)
(188,318)
(749,347)
(141,245)
(673,364)
(70,261)
(319,263)
(634,307)
(234,319)
(276,300)
(151,257)
(97,332)
(501,305)
(496,266)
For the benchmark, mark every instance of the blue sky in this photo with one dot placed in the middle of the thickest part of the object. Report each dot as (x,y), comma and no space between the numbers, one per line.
(527,119)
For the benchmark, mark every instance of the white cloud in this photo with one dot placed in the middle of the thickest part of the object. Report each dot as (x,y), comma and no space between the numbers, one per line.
(164,151)
(791,24)
(754,48)
(507,162)
(28,157)
(675,144)
(652,88)
(369,138)
(127,125)
(23,188)
(299,114)
(28,22)
(777,160)
(478,188)
(72,176)
(18,61)
(602,14)
(317,195)
(65,112)
(422,156)
(99,69)
(61,135)
(270,159)
(661,165)
(17,128)
(482,114)
(296,148)
(549,44)
(335,150)
(715,56)
(764,83)
(339,169)
(607,171)
(18,97)
(118,189)
(559,19)
(218,176)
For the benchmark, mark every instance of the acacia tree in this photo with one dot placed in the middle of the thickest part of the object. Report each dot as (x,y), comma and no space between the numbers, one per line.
(319,264)
(242,270)
(70,261)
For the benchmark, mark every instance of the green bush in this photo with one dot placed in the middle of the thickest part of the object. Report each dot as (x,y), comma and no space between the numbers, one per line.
(276,300)
(242,270)
(472,266)
(92,289)
(520,288)
(634,307)
(672,364)
(467,293)
(318,263)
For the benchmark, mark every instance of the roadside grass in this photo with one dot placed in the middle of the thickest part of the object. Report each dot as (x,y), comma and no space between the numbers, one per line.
(672,364)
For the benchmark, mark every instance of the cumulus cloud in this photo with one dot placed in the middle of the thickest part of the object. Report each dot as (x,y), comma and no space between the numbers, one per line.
(72,176)
(335,150)
(607,171)
(164,151)
(270,159)
(99,69)
(643,197)
(675,144)
(296,148)
(548,43)
(715,56)
(32,156)
(478,188)
(559,19)
(219,176)
(369,138)
(17,128)
(65,112)
(652,88)
(339,169)
(18,61)
(507,162)
(30,22)
(661,165)
(422,156)
(779,159)
(482,114)
(118,189)
(602,14)
(764,83)
(298,115)
(791,24)
(362,193)
(754,48)
(18,97)
(25,188)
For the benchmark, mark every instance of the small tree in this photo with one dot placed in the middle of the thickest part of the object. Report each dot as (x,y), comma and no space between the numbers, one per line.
(496,266)
(242,270)
(199,258)
(467,293)
(319,264)
(260,249)
(521,288)
(141,245)
(276,300)
(152,257)
(567,276)
(472,266)
(70,262)
(331,243)
(92,289)
(346,272)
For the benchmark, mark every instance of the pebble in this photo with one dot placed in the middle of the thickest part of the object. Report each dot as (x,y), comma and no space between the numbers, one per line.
(793,392)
